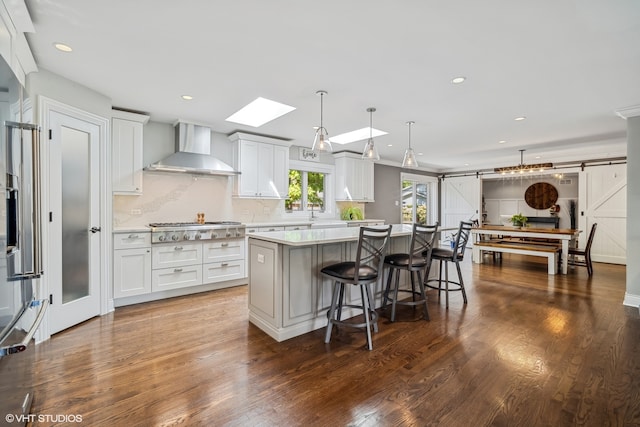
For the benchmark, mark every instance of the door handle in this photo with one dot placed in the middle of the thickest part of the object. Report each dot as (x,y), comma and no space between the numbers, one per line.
(95,229)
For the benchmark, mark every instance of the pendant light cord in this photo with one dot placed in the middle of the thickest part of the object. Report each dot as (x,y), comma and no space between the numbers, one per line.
(321,108)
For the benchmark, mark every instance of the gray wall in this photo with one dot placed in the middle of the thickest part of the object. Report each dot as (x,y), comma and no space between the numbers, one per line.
(633,206)
(386,192)
(60,89)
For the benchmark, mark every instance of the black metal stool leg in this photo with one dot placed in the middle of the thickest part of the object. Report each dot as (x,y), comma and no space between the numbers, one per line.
(332,310)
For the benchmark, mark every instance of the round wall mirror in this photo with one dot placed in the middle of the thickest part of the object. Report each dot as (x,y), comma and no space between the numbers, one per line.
(541,195)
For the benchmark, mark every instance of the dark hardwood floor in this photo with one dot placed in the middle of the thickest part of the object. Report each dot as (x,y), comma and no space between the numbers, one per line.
(529,349)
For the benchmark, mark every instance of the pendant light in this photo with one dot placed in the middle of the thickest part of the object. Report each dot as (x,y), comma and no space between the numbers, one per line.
(321,141)
(370,152)
(409,160)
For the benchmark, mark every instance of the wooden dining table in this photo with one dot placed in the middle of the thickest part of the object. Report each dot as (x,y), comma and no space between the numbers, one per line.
(566,236)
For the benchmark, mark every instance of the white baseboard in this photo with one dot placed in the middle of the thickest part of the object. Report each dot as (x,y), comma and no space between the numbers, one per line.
(632,300)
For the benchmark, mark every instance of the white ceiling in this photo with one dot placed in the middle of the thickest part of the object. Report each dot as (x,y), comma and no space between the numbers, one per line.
(567,65)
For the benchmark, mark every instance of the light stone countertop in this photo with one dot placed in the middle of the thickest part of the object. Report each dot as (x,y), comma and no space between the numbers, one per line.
(285,223)
(319,236)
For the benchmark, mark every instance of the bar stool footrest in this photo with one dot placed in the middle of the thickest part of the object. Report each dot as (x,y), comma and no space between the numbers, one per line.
(372,321)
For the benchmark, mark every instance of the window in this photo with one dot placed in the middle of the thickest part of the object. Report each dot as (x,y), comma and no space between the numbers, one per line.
(306,191)
(419,203)
(310,189)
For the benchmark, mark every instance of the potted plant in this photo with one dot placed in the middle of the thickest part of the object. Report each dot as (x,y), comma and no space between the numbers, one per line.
(519,220)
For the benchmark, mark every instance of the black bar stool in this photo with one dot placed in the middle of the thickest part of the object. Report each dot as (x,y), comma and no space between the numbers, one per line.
(415,262)
(372,246)
(454,254)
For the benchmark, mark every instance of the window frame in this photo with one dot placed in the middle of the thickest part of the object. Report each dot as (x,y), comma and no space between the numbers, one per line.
(432,206)
(329,196)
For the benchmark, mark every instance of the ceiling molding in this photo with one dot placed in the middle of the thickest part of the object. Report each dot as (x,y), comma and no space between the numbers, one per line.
(628,112)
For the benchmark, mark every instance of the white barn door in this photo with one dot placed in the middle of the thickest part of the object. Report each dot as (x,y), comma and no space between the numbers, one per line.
(460,198)
(603,200)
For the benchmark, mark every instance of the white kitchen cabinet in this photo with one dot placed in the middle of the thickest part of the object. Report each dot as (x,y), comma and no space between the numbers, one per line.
(264,167)
(296,227)
(354,178)
(126,154)
(176,266)
(223,261)
(131,264)
(14,48)
(176,255)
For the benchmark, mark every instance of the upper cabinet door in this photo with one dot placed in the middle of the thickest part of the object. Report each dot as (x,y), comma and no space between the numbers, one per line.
(127,145)
(354,178)
(264,167)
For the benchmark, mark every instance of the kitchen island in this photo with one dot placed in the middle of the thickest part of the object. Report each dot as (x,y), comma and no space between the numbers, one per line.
(287,294)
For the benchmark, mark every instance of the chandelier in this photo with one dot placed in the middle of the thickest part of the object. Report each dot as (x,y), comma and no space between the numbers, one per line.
(522,168)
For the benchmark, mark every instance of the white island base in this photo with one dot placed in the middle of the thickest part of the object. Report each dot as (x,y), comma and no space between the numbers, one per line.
(287,294)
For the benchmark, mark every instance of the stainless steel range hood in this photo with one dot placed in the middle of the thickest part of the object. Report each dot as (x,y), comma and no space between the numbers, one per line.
(193,153)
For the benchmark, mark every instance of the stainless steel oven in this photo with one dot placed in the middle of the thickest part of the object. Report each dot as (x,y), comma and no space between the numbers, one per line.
(20,255)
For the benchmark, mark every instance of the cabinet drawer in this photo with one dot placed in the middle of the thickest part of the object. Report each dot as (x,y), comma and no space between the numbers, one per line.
(176,255)
(261,229)
(223,251)
(296,227)
(222,271)
(177,277)
(131,240)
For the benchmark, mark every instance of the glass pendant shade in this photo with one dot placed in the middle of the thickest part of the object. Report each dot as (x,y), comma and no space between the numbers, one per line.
(409,160)
(370,152)
(321,141)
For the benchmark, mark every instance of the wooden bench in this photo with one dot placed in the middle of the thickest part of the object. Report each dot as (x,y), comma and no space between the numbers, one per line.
(550,251)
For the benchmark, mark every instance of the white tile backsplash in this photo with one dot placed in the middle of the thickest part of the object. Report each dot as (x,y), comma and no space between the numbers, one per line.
(176,197)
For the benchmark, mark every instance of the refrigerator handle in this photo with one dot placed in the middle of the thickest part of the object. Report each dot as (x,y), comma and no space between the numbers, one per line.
(22,346)
(34,269)
(37,214)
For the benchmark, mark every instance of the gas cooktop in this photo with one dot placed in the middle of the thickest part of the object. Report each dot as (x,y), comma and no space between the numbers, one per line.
(164,232)
(190,224)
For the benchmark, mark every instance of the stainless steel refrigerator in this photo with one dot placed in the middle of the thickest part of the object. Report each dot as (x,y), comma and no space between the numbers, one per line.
(20,251)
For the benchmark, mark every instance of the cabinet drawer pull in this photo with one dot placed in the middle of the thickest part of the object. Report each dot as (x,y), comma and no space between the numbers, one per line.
(177,270)
(224,264)
(178,248)
(224,244)
(133,236)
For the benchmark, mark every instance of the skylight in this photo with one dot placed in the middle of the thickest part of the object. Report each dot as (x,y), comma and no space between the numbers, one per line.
(259,112)
(356,135)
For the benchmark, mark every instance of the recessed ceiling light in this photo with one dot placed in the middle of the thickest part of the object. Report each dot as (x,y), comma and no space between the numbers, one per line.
(458,80)
(466,164)
(537,157)
(518,119)
(420,154)
(389,145)
(187,97)
(259,111)
(62,47)
(357,135)
(502,141)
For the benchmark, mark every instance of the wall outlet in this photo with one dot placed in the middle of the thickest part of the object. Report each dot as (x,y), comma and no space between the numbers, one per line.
(136,211)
